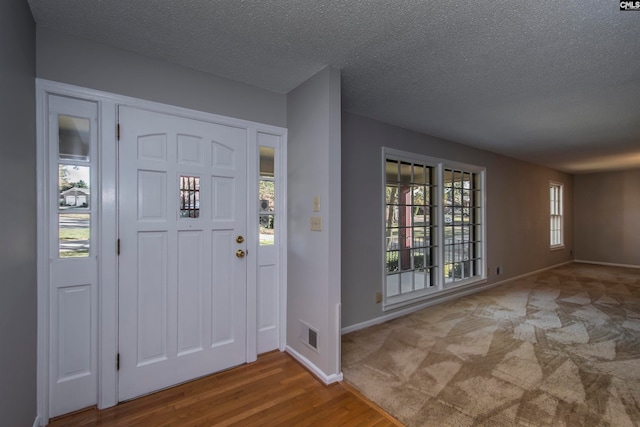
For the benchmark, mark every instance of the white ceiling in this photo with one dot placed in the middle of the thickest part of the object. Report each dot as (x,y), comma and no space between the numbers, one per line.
(548,81)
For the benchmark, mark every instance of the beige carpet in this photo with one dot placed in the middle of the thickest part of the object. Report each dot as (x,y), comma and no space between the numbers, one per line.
(560,348)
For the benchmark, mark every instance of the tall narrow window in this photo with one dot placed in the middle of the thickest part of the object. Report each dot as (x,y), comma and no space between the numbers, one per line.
(74,186)
(267,194)
(555,197)
(434,226)
(409,212)
(462,237)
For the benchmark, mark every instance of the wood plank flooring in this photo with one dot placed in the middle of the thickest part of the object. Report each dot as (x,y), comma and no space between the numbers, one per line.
(274,391)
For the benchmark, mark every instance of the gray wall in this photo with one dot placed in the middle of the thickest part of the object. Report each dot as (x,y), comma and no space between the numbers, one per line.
(607,217)
(517,210)
(18,296)
(68,59)
(313,283)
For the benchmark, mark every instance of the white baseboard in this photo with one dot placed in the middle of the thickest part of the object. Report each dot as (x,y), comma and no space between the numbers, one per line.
(432,301)
(317,372)
(609,264)
(439,300)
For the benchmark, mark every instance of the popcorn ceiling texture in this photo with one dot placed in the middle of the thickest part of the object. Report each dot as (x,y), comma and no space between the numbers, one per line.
(556,83)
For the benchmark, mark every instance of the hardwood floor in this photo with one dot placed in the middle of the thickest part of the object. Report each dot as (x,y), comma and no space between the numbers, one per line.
(273,391)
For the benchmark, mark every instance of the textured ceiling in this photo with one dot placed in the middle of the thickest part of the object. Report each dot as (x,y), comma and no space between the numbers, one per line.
(552,82)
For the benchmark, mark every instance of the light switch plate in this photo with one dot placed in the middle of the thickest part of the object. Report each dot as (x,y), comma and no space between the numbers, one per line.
(316,223)
(316,203)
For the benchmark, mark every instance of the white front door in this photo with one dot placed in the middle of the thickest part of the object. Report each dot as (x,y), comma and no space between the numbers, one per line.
(182,274)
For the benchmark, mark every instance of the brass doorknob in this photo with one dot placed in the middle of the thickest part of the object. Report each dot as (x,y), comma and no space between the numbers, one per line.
(240,253)
(239,239)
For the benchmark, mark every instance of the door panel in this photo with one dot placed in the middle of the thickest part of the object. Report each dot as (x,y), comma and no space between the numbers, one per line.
(151,295)
(190,292)
(182,289)
(74,332)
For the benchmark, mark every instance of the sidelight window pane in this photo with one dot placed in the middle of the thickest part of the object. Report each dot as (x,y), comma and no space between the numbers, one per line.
(74,235)
(74,135)
(267,229)
(74,185)
(267,196)
(267,161)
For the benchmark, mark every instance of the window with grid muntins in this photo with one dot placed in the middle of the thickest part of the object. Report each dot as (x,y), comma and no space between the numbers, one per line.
(555,198)
(462,239)
(409,209)
(434,226)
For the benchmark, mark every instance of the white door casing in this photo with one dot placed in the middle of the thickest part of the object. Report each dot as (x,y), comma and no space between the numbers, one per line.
(182,286)
(91,312)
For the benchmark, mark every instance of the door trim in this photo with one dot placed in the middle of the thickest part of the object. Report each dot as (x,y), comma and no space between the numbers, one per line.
(107,392)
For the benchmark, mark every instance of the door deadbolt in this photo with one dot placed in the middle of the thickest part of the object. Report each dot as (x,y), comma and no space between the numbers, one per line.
(240,253)
(239,239)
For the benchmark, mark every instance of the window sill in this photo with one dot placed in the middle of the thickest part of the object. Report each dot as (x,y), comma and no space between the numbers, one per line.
(449,289)
(556,248)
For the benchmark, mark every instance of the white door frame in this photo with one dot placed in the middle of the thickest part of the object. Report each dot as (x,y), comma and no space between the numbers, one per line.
(107,392)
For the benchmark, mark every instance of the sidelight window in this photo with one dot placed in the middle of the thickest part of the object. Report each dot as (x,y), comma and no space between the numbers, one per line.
(74,186)
(267,196)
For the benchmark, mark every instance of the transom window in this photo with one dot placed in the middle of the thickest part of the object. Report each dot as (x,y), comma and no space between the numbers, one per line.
(434,226)
(555,198)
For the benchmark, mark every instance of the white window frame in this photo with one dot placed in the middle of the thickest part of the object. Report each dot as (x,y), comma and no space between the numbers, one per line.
(556,215)
(440,286)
